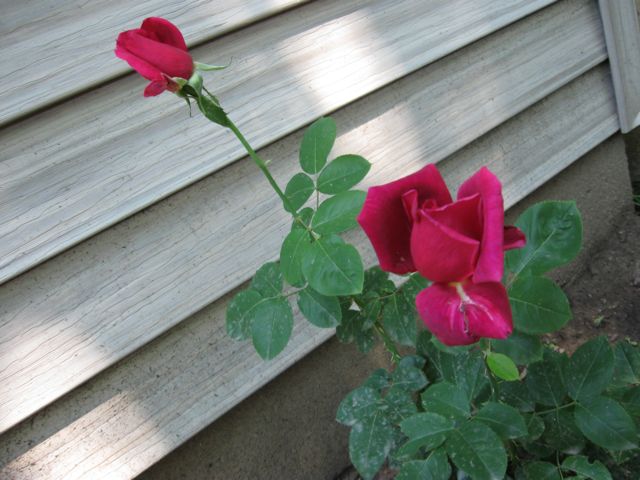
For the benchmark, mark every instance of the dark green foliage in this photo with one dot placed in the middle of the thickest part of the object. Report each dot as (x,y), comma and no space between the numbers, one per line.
(554,237)
(317,142)
(299,189)
(342,173)
(538,305)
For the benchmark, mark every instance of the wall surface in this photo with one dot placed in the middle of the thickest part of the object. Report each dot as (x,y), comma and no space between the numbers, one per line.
(288,429)
(126,226)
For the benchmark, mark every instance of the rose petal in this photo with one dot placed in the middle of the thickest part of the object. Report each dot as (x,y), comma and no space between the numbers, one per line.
(439,308)
(464,315)
(155,88)
(170,60)
(385,222)
(144,68)
(464,216)
(164,31)
(488,310)
(441,253)
(491,259)
(514,238)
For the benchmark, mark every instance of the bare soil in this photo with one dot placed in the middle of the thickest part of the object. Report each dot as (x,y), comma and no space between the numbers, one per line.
(605,296)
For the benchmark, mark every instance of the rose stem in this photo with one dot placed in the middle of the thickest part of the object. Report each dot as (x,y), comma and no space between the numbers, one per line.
(263,166)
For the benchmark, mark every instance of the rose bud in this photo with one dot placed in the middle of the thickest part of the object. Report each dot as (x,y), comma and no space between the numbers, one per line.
(158,52)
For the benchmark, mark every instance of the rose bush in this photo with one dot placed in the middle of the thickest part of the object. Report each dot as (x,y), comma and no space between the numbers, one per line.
(158,52)
(414,225)
(511,408)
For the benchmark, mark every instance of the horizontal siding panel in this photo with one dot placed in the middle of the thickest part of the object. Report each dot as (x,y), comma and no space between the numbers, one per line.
(52,50)
(622,33)
(133,414)
(82,166)
(75,315)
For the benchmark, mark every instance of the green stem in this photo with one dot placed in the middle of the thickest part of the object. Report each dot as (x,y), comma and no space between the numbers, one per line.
(558,465)
(262,166)
(388,343)
(556,409)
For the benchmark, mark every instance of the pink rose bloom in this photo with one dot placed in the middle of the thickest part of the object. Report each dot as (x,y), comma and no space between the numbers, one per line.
(157,51)
(414,225)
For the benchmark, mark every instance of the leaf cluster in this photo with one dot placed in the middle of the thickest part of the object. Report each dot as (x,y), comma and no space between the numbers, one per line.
(513,408)
(568,417)
(319,267)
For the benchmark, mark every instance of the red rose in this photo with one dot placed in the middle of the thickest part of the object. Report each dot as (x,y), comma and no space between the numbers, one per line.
(414,225)
(157,51)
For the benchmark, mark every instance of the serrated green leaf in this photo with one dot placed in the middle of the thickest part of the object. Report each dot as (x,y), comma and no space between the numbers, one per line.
(399,320)
(317,142)
(523,349)
(425,430)
(545,380)
(604,422)
(408,377)
(455,350)
(541,471)
(502,367)
(413,361)
(561,432)
(554,237)
(590,369)
(435,467)
(446,399)
(378,380)
(413,286)
(535,426)
(377,281)
(240,314)
(268,280)
(538,305)
(503,419)
(342,173)
(305,215)
(630,401)
(371,309)
(296,243)
(538,449)
(399,405)
(517,395)
(338,213)
(627,364)
(423,342)
(370,441)
(365,340)
(580,465)
(478,451)
(358,405)
(350,325)
(465,368)
(333,267)
(320,310)
(355,328)
(271,327)
(298,190)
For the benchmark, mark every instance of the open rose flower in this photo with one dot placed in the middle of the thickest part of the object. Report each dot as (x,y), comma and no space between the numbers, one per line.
(414,225)
(157,51)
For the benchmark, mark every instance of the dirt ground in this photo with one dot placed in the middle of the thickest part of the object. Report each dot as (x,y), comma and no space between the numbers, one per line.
(605,297)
